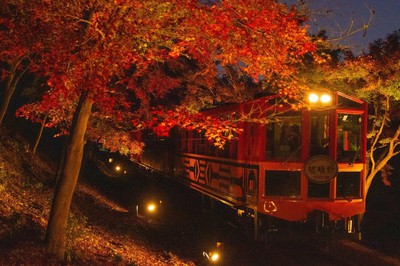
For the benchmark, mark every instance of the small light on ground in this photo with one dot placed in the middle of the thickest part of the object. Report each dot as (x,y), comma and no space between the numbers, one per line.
(214,256)
(151,207)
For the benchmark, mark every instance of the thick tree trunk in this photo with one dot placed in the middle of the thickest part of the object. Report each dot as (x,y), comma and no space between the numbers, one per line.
(39,136)
(57,228)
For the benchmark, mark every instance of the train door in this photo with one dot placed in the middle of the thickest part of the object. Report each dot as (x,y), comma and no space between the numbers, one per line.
(320,143)
(284,150)
(251,154)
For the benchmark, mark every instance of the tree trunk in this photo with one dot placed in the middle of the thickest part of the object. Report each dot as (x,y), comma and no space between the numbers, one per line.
(57,228)
(39,136)
(11,85)
(6,101)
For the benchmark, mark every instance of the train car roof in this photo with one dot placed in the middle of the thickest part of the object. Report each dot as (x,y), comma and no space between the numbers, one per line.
(226,107)
(340,99)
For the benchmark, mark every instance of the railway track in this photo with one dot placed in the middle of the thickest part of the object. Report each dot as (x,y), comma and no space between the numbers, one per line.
(289,248)
(195,229)
(303,251)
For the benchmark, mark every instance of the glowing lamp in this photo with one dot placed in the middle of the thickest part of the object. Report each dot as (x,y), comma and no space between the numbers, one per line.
(313,98)
(319,99)
(151,207)
(214,257)
(326,98)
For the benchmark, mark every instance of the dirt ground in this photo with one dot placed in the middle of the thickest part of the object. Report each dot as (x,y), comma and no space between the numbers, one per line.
(100,231)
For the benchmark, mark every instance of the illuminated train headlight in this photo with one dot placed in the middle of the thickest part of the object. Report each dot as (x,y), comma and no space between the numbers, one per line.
(313,97)
(323,98)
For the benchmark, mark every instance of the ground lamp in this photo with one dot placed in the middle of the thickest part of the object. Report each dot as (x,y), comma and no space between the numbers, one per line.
(214,256)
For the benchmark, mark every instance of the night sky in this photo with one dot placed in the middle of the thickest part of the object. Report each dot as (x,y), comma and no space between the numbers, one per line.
(341,12)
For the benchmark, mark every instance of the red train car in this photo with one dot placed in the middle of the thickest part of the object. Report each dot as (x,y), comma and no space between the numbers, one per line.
(300,163)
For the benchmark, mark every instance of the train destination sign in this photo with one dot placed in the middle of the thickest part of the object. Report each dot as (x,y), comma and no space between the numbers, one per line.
(320,169)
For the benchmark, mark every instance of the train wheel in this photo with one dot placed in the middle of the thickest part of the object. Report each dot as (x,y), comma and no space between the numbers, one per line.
(252,224)
(319,221)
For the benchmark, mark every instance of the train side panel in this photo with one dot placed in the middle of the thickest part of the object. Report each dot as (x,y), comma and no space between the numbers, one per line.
(231,181)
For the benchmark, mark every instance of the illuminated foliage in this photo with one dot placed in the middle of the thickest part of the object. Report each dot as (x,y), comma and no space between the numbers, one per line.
(107,55)
(107,48)
(374,77)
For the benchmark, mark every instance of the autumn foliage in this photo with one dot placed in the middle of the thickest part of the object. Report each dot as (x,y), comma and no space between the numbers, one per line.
(110,68)
(115,50)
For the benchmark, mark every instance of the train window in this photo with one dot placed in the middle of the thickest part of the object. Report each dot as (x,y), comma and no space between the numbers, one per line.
(349,138)
(230,148)
(348,185)
(185,141)
(250,140)
(233,147)
(319,134)
(318,190)
(283,138)
(251,184)
(344,101)
(196,142)
(224,153)
(193,142)
(282,183)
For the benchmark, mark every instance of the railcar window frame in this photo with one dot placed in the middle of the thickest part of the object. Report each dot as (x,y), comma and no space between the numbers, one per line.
(354,152)
(195,142)
(282,183)
(284,138)
(320,134)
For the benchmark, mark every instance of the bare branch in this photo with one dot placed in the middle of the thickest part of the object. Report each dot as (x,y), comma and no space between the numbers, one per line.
(351,30)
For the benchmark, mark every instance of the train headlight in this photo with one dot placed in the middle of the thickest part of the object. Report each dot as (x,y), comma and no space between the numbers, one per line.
(325,98)
(313,97)
(321,99)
